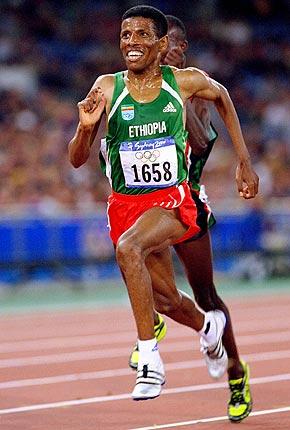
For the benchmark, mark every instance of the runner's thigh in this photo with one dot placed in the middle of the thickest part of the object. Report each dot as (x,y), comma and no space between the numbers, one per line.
(156,229)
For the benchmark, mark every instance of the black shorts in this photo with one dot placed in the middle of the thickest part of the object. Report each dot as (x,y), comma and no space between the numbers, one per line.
(205,218)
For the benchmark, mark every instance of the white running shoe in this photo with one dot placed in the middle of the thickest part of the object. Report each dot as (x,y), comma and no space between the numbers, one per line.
(215,355)
(149,381)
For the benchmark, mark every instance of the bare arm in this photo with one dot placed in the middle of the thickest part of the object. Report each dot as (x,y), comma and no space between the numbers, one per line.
(195,110)
(90,114)
(195,82)
(90,111)
(197,125)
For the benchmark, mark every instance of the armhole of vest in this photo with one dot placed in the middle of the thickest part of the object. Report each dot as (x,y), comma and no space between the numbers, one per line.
(215,132)
(168,76)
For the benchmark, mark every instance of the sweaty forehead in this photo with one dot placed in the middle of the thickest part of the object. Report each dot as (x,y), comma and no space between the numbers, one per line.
(138,23)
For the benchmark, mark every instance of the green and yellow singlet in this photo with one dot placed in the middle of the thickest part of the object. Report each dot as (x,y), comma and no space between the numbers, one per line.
(144,148)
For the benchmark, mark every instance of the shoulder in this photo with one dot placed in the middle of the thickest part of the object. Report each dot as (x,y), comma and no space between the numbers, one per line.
(104,82)
(189,73)
(190,79)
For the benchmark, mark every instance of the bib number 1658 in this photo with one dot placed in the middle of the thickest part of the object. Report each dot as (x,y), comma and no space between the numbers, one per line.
(152,172)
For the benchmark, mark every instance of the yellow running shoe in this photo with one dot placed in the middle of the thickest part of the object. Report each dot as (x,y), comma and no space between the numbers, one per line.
(160,330)
(240,403)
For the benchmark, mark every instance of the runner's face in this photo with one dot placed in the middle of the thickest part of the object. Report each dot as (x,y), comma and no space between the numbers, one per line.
(176,48)
(174,39)
(139,43)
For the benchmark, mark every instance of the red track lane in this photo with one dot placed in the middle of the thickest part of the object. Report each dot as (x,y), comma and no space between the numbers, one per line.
(74,345)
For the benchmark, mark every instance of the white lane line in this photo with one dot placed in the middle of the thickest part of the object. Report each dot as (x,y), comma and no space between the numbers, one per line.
(67,342)
(103,374)
(102,399)
(243,317)
(94,354)
(213,419)
(268,325)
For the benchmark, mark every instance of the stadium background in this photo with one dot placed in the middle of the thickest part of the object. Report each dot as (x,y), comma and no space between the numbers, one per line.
(53,234)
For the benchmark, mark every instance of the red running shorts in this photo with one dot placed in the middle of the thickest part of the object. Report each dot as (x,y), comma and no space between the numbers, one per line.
(124,209)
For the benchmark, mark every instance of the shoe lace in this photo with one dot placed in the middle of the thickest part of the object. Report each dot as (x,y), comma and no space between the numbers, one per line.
(237,396)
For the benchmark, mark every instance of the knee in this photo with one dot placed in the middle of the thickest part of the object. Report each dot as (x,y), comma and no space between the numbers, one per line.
(167,304)
(128,252)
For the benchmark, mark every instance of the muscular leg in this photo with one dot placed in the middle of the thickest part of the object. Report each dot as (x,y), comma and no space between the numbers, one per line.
(197,260)
(167,299)
(154,231)
(155,315)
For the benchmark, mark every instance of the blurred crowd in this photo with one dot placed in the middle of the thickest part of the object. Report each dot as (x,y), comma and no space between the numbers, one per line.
(52,51)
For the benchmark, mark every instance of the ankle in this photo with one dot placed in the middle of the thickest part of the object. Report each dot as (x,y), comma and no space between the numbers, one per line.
(148,350)
(235,369)
(208,330)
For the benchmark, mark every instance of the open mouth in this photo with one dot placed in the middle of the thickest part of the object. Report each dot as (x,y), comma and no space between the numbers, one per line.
(134,55)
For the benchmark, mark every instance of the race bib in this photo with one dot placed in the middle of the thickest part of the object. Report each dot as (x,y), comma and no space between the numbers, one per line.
(149,163)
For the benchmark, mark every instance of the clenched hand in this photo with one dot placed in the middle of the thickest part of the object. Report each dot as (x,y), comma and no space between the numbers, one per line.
(247,180)
(91,108)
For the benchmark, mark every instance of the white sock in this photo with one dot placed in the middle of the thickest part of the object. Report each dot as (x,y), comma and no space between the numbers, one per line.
(148,350)
(208,331)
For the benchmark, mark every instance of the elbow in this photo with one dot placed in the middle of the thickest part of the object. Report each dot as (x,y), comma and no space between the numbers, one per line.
(76,161)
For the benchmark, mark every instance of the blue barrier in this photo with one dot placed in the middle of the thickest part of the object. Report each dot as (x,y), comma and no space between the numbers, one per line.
(38,247)
(61,239)
(238,233)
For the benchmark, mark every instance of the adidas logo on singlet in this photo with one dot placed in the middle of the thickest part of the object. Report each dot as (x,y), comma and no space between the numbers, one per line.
(169,108)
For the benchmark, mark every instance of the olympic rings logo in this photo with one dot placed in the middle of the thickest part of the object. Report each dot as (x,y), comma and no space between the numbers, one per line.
(148,156)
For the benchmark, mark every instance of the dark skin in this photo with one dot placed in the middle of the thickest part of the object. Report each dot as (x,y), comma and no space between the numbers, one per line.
(197,113)
(157,229)
(197,261)
(196,256)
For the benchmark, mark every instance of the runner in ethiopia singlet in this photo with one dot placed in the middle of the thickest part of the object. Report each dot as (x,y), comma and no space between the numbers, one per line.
(144,154)
(144,147)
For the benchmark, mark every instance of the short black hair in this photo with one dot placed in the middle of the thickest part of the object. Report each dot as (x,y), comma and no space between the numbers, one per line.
(158,17)
(173,21)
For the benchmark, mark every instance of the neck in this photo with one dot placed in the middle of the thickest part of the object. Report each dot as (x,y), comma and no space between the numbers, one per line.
(145,78)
